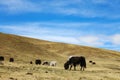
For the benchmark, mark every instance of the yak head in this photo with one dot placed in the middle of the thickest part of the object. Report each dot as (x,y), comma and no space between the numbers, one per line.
(66,65)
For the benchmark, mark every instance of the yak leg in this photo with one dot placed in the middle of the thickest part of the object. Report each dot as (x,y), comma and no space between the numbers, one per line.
(70,67)
(74,67)
(81,68)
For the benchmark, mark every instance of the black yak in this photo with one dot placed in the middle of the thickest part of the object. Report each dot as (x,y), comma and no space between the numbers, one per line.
(1,58)
(90,61)
(93,63)
(74,61)
(11,60)
(38,62)
(31,62)
(46,63)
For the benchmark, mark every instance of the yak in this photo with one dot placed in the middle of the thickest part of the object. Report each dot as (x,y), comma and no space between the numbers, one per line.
(74,61)
(46,63)
(11,60)
(53,63)
(37,61)
(1,58)
(50,63)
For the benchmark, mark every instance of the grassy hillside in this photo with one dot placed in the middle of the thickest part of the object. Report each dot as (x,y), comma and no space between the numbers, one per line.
(24,50)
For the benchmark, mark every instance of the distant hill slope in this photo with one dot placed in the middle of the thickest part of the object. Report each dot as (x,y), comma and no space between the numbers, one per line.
(25,49)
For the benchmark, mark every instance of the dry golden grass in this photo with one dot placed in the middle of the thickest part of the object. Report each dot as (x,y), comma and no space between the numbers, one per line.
(103,70)
(24,50)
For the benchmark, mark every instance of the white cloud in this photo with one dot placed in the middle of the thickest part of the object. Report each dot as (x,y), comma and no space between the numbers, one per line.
(115,39)
(64,39)
(18,6)
(91,40)
(25,29)
(39,31)
(74,33)
(84,8)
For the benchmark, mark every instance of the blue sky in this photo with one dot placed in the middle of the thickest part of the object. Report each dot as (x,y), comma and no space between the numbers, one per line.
(93,23)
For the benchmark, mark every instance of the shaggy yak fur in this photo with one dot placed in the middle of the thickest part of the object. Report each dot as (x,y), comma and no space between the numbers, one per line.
(74,61)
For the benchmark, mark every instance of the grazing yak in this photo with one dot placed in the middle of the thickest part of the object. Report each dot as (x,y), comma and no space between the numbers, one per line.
(31,62)
(46,63)
(1,58)
(74,61)
(37,61)
(93,63)
(53,63)
(50,63)
(90,61)
(11,60)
